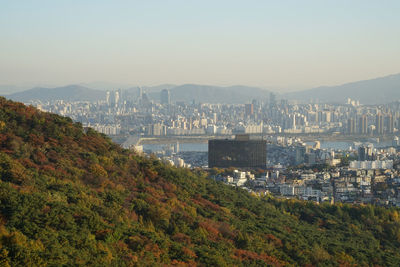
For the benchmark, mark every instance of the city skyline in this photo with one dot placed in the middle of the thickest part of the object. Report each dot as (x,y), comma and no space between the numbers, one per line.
(285,46)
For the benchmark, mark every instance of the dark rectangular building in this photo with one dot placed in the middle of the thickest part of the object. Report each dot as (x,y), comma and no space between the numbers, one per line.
(240,153)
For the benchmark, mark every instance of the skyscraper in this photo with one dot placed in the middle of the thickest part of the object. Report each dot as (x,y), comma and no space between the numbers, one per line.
(365,153)
(140,92)
(240,153)
(117,96)
(351,126)
(111,99)
(272,100)
(363,125)
(165,98)
(362,153)
(379,124)
(389,125)
(300,154)
(108,98)
(249,110)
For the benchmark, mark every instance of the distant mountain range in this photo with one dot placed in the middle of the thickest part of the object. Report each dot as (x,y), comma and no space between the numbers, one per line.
(187,93)
(375,91)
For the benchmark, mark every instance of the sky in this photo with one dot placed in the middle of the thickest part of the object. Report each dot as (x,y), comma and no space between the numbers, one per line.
(284,45)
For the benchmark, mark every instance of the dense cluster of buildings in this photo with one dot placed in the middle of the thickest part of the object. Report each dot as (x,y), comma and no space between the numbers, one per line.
(265,140)
(371,176)
(347,185)
(137,114)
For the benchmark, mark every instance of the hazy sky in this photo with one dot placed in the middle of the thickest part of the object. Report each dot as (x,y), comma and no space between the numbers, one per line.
(286,44)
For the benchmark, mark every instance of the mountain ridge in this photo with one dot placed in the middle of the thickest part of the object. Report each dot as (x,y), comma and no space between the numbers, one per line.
(365,91)
(372,91)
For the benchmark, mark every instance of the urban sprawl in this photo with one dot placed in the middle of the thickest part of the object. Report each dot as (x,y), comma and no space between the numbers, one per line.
(299,163)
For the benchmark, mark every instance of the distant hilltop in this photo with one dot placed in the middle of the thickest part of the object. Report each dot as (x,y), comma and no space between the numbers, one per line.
(375,91)
(66,93)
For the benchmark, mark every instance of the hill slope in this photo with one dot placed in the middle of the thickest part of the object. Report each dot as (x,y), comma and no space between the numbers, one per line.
(375,91)
(66,93)
(70,197)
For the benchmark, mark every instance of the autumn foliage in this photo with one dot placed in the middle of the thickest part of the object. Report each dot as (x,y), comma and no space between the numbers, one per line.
(69,196)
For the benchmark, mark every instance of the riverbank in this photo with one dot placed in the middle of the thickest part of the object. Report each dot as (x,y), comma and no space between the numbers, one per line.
(304,137)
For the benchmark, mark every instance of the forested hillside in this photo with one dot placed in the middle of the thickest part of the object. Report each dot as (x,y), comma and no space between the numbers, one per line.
(71,197)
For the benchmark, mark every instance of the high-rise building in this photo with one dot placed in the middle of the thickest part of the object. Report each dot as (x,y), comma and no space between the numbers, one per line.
(108,98)
(398,123)
(249,110)
(300,154)
(256,103)
(389,125)
(117,97)
(240,152)
(158,129)
(145,101)
(111,99)
(292,121)
(165,97)
(327,116)
(320,116)
(140,92)
(351,126)
(362,153)
(379,124)
(272,100)
(363,125)
(365,153)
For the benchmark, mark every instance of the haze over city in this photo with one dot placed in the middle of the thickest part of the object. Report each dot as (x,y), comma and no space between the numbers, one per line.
(199,133)
(278,45)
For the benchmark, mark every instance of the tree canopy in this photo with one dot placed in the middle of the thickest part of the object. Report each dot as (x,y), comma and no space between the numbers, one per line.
(70,196)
